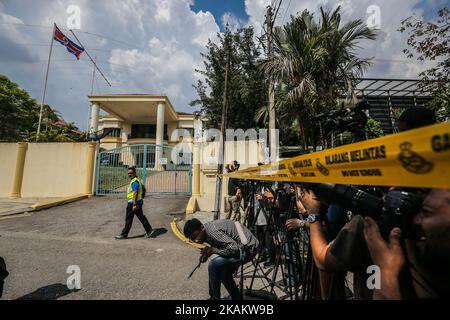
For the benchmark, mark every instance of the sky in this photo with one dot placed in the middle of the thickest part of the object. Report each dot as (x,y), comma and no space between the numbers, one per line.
(154,46)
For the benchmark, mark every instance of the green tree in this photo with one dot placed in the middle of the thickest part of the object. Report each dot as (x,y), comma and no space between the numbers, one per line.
(313,63)
(430,41)
(19,113)
(246,87)
(19,116)
(373,128)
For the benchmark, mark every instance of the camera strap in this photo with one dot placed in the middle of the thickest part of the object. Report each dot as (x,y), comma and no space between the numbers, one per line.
(243,239)
(241,234)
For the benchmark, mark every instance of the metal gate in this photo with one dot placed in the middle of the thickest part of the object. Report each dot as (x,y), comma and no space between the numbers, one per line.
(163,170)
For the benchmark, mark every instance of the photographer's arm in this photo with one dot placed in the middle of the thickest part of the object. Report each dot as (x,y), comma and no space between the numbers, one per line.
(320,247)
(323,259)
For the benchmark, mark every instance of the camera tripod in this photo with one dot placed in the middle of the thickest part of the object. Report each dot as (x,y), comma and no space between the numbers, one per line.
(293,257)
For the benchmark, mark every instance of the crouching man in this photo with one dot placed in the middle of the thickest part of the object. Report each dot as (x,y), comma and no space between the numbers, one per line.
(225,241)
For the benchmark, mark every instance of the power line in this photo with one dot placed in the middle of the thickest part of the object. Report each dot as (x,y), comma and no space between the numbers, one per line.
(285,12)
(85,32)
(47,45)
(277,9)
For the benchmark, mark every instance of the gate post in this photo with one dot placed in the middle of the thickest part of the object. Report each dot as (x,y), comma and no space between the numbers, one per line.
(144,173)
(20,165)
(196,170)
(90,168)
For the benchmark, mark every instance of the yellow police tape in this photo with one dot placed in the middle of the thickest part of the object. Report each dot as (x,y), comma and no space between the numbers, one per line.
(416,158)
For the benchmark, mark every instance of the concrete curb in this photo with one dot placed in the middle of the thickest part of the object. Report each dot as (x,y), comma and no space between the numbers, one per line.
(41,205)
(16,216)
(177,232)
(49,203)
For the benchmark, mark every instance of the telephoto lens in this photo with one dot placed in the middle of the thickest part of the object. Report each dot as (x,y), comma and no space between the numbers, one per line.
(356,200)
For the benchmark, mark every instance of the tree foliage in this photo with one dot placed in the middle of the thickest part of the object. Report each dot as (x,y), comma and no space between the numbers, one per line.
(246,84)
(19,117)
(314,62)
(430,41)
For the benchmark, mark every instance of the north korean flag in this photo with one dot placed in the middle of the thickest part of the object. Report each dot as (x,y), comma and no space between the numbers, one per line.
(69,44)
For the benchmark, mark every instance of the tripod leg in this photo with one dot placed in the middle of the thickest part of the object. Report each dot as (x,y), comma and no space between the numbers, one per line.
(242,279)
(289,266)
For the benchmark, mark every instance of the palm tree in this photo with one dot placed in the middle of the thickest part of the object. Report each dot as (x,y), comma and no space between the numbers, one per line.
(313,62)
(343,66)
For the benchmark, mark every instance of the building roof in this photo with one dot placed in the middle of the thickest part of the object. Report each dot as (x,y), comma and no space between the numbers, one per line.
(134,107)
(379,87)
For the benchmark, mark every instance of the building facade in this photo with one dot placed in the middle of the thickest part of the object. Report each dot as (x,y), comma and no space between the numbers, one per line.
(135,119)
(145,131)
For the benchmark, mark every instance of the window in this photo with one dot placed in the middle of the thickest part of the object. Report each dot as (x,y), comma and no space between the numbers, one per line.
(146,131)
(112,132)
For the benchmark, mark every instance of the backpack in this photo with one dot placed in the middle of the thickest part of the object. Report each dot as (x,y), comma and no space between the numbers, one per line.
(144,191)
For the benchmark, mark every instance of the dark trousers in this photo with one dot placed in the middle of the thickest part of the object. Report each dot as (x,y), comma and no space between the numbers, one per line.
(130,216)
(221,271)
(266,242)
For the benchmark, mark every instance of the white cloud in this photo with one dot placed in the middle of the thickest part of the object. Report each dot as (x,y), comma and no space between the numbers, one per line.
(151,46)
(233,22)
(387,49)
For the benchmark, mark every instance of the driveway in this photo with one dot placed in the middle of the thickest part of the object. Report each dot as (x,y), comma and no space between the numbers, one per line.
(39,249)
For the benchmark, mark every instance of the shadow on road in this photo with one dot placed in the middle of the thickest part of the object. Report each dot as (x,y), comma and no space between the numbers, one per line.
(51,292)
(159,232)
(156,233)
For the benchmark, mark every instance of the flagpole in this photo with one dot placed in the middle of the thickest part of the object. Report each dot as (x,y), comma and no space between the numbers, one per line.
(92,92)
(45,85)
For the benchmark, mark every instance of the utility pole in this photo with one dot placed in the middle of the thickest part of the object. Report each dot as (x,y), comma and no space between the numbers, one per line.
(219,179)
(272,115)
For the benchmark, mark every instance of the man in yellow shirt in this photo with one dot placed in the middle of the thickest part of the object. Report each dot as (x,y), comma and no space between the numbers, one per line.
(134,207)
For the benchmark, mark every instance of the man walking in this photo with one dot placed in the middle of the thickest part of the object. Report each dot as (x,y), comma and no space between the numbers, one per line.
(134,207)
(225,239)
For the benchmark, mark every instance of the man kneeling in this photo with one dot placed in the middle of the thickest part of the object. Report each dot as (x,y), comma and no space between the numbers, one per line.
(224,240)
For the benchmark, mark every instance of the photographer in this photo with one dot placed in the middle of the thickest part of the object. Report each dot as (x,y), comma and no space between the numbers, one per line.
(234,197)
(225,241)
(264,195)
(416,117)
(427,258)
(334,218)
(348,252)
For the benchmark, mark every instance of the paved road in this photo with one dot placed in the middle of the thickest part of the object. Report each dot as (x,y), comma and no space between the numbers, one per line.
(38,250)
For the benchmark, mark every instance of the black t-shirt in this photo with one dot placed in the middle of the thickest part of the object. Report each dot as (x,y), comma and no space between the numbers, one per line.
(233,185)
(351,254)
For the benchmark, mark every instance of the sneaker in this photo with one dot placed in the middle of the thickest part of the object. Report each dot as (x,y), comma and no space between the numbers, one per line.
(121,237)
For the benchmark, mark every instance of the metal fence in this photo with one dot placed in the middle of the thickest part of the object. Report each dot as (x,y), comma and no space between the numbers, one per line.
(163,170)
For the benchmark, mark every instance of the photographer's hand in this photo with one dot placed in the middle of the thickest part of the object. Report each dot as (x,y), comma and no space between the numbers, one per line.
(388,256)
(205,253)
(293,224)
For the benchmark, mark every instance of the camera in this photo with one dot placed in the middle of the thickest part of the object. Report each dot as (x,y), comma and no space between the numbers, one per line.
(346,119)
(396,209)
